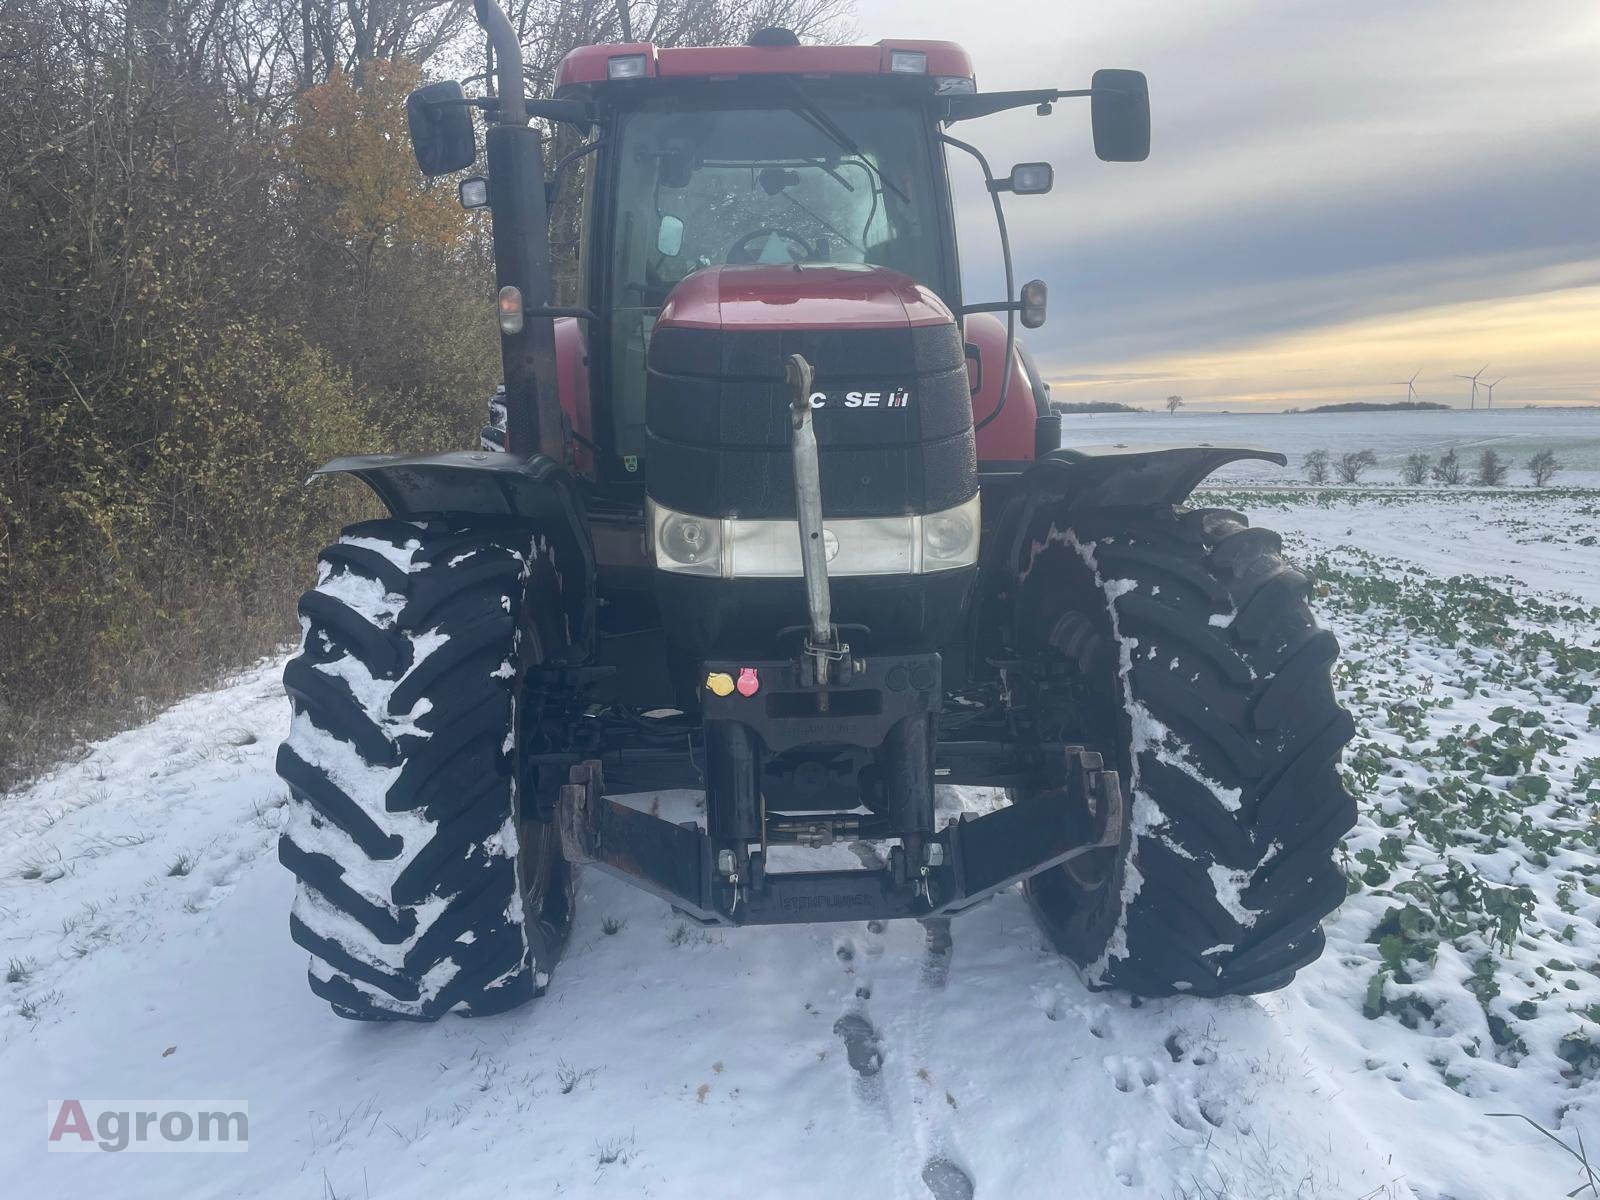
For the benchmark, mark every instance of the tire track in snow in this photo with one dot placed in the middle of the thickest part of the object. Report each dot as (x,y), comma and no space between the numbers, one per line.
(941,1173)
(930,1158)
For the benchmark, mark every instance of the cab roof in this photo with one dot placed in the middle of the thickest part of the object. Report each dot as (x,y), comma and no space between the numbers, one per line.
(590,66)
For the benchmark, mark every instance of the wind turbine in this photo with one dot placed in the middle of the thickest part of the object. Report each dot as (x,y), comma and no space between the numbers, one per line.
(1489,387)
(1474,378)
(1410,386)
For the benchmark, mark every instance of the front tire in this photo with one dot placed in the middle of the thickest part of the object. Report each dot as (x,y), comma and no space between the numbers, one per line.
(1209,684)
(423,885)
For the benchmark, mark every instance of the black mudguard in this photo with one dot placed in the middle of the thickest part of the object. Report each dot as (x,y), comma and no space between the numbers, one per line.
(1116,476)
(483,484)
(1072,481)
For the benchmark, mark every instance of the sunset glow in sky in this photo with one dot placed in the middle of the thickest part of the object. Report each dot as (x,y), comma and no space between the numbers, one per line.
(1338,195)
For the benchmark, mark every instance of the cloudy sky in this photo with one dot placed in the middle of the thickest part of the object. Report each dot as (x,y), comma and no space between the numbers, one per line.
(1338,194)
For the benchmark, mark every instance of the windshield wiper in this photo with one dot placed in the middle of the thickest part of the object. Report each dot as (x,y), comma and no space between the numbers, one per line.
(814,115)
(826,224)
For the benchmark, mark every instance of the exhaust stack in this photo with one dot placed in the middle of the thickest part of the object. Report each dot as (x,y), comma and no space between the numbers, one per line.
(521,252)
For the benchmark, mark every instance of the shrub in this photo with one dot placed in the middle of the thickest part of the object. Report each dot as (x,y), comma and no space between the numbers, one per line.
(196,309)
(1415,469)
(1542,466)
(1315,466)
(1353,464)
(1448,468)
(145,565)
(1492,469)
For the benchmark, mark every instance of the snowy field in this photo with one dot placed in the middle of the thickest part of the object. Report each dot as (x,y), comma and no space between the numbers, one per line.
(1515,434)
(143,918)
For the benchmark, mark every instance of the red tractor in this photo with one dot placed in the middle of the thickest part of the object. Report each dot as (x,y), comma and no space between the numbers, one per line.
(784,518)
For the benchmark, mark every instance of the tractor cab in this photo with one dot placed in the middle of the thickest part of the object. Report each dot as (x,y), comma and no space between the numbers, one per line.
(770,154)
(700,181)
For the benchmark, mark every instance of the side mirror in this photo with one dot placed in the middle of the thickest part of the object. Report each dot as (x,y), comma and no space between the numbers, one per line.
(441,128)
(1119,110)
(774,179)
(1033,301)
(677,166)
(1028,179)
(669,237)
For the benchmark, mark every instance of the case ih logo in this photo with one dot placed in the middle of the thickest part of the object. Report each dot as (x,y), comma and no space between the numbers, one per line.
(897,398)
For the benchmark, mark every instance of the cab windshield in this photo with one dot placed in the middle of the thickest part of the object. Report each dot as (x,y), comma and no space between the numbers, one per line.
(805,180)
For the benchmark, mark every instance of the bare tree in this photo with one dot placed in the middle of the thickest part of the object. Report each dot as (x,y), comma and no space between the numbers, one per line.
(1542,466)
(1354,463)
(324,36)
(1316,466)
(1415,469)
(1448,468)
(1174,403)
(1492,469)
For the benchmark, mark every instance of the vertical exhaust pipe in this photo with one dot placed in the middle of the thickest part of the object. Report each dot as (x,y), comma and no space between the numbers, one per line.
(508,61)
(521,251)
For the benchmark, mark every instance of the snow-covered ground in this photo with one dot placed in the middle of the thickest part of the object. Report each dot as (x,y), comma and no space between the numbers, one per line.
(1514,434)
(144,916)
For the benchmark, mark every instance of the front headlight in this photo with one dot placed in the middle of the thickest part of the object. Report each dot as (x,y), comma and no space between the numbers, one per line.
(752,548)
(688,544)
(950,538)
(852,546)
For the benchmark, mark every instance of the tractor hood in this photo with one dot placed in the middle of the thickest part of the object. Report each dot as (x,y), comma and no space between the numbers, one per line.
(895,451)
(895,412)
(801,296)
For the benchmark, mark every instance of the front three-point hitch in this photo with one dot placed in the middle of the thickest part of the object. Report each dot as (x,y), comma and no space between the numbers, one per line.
(726,882)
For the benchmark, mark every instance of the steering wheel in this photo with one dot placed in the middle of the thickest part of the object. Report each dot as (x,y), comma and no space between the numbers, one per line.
(741,251)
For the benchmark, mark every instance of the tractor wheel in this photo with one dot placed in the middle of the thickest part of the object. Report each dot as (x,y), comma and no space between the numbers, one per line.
(423,886)
(1195,666)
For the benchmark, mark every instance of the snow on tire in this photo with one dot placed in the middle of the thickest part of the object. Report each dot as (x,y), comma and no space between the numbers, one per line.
(419,890)
(1228,737)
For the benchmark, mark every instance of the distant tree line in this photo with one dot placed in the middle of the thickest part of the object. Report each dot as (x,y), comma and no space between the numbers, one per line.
(218,268)
(1359,406)
(1492,469)
(1092,406)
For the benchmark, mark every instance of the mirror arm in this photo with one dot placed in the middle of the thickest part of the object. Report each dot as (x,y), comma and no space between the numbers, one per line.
(983,104)
(992,306)
(553,187)
(486,103)
(557,310)
(1011,303)
(569,112)
(572,112)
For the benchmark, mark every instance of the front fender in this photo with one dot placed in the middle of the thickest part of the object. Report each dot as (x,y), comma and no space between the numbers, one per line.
(461,481)
(1111,476)
(1073,480)
(478,483)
